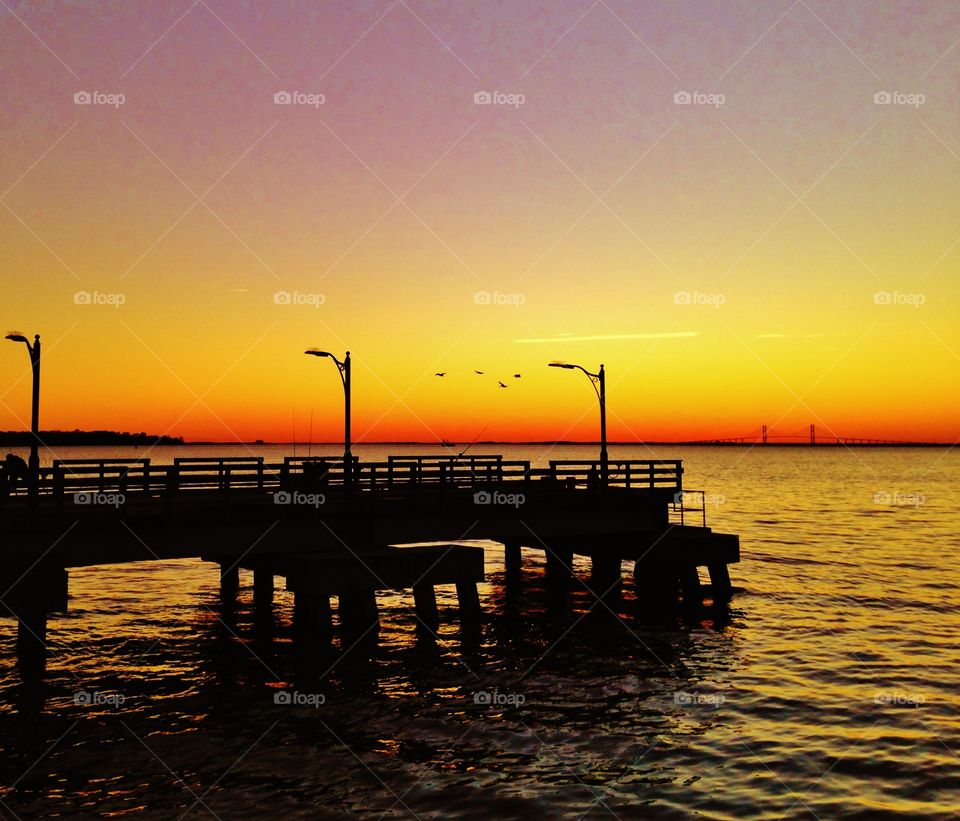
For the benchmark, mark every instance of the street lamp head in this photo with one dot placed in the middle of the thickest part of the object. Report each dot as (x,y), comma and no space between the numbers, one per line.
(560,365)
(315,352)
(16,336)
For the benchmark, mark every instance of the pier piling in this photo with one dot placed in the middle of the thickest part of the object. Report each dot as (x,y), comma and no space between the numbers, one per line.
(469,601)
(559,567)
(359,617)
(263,588)
(605,578)
(229,582)
(425,606)
(690,585)
(720,582)
(512,557)
(32,644)
(312,620)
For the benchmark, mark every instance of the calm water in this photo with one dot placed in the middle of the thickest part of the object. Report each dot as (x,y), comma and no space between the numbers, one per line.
(829,690)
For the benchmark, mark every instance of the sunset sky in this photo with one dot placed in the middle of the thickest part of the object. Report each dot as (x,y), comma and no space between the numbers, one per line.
(783,249)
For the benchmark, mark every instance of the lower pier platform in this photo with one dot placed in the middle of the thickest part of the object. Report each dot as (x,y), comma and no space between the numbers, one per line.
(355,578)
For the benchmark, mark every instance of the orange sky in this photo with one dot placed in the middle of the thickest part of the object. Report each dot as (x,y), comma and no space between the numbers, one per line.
(786,256)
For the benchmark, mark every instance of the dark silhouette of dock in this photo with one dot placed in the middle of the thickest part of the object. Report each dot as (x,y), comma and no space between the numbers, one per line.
(328,530)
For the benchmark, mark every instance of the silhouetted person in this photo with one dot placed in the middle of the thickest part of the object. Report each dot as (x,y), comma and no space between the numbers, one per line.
(593,478)
(316,475)
(13,469)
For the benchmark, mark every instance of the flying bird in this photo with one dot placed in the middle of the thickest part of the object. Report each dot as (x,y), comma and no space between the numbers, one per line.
(501,384)
(441,374)
(479,372)
(516,376)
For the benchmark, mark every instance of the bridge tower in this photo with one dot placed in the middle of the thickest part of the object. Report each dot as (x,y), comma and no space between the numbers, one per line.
(813,436)
(763,435)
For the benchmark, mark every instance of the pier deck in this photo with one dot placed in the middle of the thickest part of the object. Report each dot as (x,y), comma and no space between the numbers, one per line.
(330,534)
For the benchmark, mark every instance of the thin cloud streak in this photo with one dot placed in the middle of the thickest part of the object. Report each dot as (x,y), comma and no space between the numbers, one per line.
(609,337)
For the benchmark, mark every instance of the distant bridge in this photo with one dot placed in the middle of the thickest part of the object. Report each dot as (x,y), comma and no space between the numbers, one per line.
(808,436)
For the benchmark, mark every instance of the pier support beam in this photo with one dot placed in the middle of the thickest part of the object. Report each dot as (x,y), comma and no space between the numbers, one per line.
(559,567)
(425,606)
(512,558)
(720,582)
(311,617)
(690,585)
(471,614)
(263,588)
(605,578)
(229,582)
(656,585)
(31,595)
(32,645)
(359,618)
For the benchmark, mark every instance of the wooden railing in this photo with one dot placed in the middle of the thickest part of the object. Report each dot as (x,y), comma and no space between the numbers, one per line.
(688,507)
(629,473)
(241,473)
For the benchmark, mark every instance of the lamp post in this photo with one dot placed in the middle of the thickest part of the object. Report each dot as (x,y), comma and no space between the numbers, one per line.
(343,368)
(34,463)
(599,383)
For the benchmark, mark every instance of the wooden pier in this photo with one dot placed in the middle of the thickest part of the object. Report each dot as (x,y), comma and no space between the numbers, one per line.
(393,525)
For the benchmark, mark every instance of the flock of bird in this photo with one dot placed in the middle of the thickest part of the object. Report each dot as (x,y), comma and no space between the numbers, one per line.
(482,373)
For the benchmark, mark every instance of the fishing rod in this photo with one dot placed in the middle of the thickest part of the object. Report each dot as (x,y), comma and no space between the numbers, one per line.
(470,445)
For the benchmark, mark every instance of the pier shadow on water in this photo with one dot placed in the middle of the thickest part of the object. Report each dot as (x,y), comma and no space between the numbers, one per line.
(557,703)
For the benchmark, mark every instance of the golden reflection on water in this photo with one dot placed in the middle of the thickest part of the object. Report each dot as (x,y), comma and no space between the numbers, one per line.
(836,667)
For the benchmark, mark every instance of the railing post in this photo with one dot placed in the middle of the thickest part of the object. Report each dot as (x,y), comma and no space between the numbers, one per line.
(58,483)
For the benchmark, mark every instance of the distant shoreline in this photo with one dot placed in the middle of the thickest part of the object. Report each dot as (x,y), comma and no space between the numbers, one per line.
(113,438)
